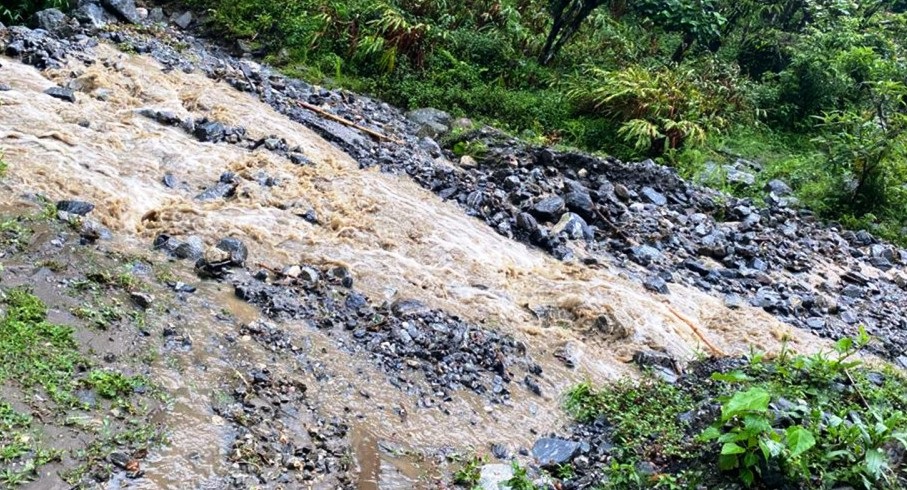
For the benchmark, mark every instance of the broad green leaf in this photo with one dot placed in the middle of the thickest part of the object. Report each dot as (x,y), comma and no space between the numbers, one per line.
(799,440)
(843,345)
(747,477)
(710,433)
(770,449)
(751,400)
(876,462)
(731,448)
(727,462)
(731,377)
(750,459)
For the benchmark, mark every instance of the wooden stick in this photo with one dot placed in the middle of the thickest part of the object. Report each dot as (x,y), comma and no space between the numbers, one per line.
(347,122)
(695,329)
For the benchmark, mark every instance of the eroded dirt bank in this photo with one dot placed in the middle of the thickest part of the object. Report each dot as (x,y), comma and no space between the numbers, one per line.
(367,328)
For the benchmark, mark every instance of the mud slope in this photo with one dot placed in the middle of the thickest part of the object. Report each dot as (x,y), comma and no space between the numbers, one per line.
(398,241)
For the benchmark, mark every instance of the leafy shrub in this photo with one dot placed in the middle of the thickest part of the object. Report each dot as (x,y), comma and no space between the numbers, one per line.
(17,11)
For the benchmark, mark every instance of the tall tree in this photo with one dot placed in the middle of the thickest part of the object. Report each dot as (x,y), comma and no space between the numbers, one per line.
(567,17)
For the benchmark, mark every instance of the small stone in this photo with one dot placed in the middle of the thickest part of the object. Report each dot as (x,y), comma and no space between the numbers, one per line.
(80,208)
(61,93)
(237,250)
(733,301)
(143,300)
(184,20)
(549,208)
(656,284)
(652,196)
(551,452)
(467,161)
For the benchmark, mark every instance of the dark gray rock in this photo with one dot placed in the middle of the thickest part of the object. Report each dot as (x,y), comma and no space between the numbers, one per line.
(409,307)
(645,254)
(431,122)
(61,93)
(548,208)
(737,176)
(221,190)
(656,284)
(192,249)
(5,87)
(652,196)
(212,131)
(573,226)
(778,188)
(80,208)
(91,14)
(237,250)
(123,9)
(49,19)
(551,452)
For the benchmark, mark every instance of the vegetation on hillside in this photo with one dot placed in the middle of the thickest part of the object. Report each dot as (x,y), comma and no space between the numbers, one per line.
(820,421)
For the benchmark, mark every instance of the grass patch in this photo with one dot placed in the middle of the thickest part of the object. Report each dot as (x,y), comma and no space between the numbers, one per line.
(820,421)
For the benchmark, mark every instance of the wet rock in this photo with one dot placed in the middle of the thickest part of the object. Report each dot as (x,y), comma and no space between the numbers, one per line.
(500,451)
(733,301)
(49,19)
(80,208)
(237,250)
(571,225)
(143,300)
(551,452)
(91,14)
(431,122)
(737,176)
(661,364)
(123,9)
(652,196)
(192,249)
(408,307)
(578,200)
(156,15)
(169,181)
(778,188)
(645,254)
(210,131)
(183,20)
(549,208)
(61,93)
(656,284)
(5,87)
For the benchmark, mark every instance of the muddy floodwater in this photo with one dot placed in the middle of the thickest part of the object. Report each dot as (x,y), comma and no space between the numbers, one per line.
(398,240)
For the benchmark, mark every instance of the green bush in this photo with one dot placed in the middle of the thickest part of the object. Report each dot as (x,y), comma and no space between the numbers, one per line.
(18,11)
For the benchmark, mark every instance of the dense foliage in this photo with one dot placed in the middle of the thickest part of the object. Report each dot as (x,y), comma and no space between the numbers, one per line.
(816,86)
(820,421)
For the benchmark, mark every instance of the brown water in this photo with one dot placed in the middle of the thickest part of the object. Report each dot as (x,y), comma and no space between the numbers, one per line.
(398,239)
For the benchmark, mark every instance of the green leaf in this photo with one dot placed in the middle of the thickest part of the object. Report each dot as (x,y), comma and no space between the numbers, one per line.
(751,400)
(876,462)
(799,440)
(770,449)
(843,345)
(727,462)
(747,477)
(710,433)
(731,448)
(731,377)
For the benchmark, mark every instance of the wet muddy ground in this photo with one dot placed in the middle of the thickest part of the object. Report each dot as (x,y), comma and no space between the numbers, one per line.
(369,334)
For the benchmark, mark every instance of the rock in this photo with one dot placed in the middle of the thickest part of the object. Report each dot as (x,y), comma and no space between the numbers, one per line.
(61,93)
(578,200)
(237,250)
(221,190)
(124,9)
(656,284)
(644,254)
(852,291)
(92,14)
(551,452)
(49,19)
(192,249)
(778,188)
(143,300)
(494,476)
(183,20)
(408,307)
(80,208)
(169,181)
(571,225)
(548,208)
(5,87)
(431,122)
(212,131)
(467,161)
(736,176)
(733,301)
(156,15)
(652,196)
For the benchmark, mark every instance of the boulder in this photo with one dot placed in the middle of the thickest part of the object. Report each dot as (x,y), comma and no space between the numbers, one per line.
(124,9)
(431,122)
(551,452)
(49,19)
